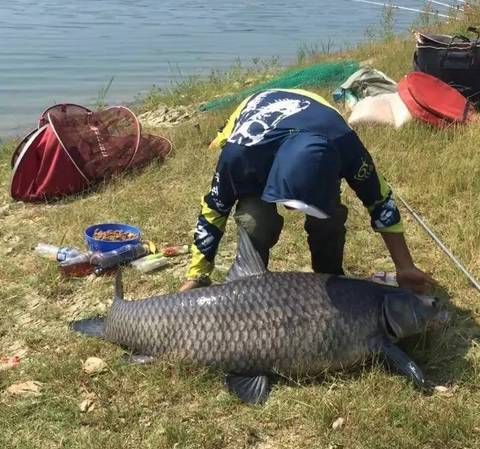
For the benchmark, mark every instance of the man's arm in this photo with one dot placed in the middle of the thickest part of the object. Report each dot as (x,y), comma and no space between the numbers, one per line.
(369,185)
(208,233)
(215,208)
(377,197)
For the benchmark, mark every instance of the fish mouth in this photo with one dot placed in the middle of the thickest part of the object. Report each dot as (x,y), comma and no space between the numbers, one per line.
(441,318)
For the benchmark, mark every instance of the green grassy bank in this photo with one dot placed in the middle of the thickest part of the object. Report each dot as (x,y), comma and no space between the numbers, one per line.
(172,406)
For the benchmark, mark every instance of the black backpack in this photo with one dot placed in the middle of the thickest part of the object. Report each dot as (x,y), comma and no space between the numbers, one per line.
(453,59)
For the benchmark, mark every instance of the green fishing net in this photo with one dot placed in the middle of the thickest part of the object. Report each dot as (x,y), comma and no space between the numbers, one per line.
(319,75)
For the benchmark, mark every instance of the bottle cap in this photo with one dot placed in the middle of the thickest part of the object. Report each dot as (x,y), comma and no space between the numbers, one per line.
(152,248)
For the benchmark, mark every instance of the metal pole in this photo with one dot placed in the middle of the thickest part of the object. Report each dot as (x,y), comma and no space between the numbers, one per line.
(439,242)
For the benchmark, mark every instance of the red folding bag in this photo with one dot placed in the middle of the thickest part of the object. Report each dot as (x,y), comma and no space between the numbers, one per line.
(75,148)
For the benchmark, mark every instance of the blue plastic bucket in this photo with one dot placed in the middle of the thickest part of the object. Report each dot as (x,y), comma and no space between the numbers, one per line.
(109,245)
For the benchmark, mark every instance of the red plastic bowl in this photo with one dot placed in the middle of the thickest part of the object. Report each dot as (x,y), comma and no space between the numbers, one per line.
(432,100)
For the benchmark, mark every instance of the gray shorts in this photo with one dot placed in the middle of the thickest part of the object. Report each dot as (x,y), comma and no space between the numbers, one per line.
(326,237)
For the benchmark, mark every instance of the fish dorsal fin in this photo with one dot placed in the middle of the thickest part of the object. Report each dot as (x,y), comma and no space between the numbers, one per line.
(248,261)
(118,286)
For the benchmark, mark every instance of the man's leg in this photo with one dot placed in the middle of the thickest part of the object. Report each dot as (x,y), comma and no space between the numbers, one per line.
(261,221)
(326,240)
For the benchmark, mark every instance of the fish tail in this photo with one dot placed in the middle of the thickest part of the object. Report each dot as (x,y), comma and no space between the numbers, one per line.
(94,327)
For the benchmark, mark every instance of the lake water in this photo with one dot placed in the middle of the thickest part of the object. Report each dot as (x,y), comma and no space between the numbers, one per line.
(53,51)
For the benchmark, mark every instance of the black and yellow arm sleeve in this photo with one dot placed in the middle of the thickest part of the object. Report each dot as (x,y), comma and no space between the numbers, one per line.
(372,189)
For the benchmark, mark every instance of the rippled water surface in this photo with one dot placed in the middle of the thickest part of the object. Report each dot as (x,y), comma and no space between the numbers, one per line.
(54,51)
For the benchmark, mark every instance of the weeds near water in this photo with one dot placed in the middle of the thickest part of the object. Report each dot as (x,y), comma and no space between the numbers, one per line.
(100,101)
(388,23)
(429,19)
(196,89)
(385,31)
(307,52)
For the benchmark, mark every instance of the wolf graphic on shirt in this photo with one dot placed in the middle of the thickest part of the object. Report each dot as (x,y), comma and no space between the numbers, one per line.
(259,117)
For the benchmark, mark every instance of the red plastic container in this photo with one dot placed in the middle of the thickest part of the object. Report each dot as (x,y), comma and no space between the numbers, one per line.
(433,101)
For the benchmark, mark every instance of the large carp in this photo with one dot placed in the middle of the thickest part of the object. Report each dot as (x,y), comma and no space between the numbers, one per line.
(259,324)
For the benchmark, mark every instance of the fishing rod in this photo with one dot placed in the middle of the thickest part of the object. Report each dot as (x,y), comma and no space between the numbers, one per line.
(454,6)
(439,242)
(440,3)
(385,5)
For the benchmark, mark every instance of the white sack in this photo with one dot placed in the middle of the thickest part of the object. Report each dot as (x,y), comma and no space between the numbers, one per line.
(387,109)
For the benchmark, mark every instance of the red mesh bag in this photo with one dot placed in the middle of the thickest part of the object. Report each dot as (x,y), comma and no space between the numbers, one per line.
(75,148)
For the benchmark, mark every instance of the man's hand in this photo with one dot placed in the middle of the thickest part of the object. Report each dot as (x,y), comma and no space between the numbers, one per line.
(203,281)
(408,275)
(414,279)
(189,285)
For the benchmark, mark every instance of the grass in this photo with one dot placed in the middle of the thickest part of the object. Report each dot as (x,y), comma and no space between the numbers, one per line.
(181,406)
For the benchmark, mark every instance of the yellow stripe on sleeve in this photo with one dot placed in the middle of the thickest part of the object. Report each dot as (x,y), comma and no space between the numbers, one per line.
(214,217)
(199,265)
(384,191)
(396,228)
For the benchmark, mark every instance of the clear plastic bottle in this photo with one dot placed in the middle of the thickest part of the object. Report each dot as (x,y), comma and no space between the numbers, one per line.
(119,256)
(150,263)
(59,253)
(385,277)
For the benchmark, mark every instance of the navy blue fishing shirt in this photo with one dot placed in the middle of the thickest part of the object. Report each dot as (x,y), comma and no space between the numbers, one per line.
(286,145)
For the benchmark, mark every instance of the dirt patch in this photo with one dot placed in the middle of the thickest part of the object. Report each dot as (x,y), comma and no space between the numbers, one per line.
(168,116)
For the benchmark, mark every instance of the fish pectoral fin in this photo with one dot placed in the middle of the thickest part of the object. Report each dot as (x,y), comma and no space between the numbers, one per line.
(250,389)
(94,327)
(138,359)
(400,361)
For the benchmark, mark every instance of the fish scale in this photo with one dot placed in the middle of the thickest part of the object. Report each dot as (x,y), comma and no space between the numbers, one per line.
(274,322)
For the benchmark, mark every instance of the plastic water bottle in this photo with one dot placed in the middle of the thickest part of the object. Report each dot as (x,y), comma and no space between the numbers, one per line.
(150,263)
(385,277)
(120,256)
(59,253)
